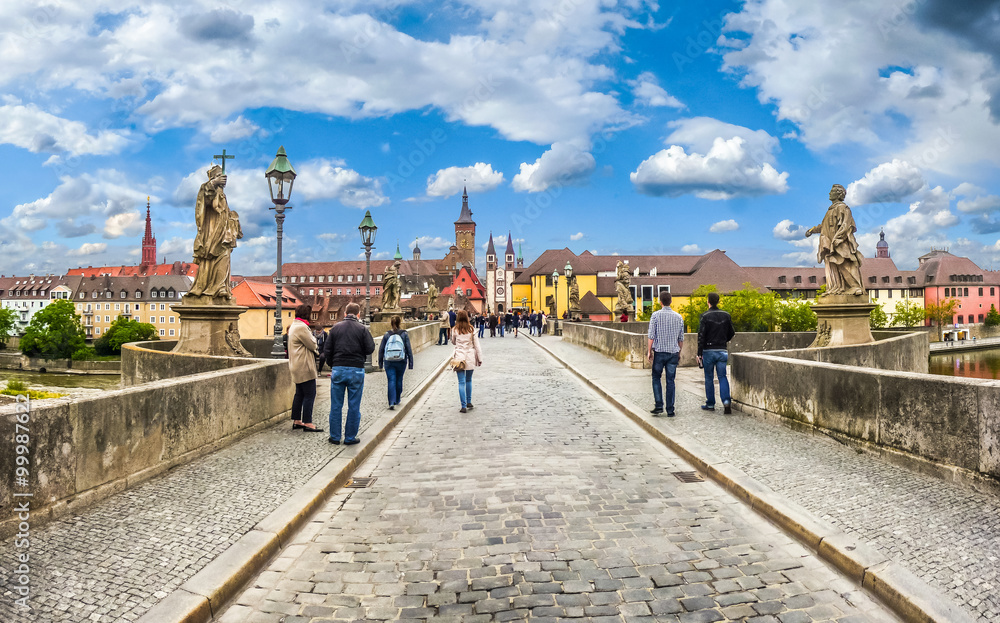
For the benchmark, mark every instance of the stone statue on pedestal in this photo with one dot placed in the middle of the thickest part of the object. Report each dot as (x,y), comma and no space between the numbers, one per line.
(390,287)
(432,297)
(625,304)
(218,231)
(574,295)
(838,248)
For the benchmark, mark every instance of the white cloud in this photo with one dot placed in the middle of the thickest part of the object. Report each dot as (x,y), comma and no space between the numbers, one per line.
(967,189)
(981,203)
(106,193)
(564,164)
(37,131)
(924,225)
(328,179)
(699,134)
(577,236)
(234,130)
(178,249)
(88,248)
(432,242)
(332,237)
(889,182)
(787,230)
(480,177)
(124,224)
(728,170)
(691,248)
(649,93)
(722,226)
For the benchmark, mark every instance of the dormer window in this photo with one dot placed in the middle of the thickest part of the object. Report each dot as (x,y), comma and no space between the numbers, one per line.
(797,279)
(812,279)
(138,294)
(781,279)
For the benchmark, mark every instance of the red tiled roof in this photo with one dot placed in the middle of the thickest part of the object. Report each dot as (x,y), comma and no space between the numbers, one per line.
(590,304)
(261,295)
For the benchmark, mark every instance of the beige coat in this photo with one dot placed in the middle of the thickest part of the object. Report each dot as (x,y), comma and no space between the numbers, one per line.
(302,352)
(467,349)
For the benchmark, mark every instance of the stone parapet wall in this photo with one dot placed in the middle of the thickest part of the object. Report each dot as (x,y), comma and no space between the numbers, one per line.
(84,449)
(17,361)
(945,420)
(909,352)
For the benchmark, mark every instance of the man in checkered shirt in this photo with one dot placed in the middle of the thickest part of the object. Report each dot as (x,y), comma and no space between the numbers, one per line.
(666,336)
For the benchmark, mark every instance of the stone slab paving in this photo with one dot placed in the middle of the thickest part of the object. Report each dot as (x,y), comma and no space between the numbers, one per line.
(542,503)
(120,556)
(946,533)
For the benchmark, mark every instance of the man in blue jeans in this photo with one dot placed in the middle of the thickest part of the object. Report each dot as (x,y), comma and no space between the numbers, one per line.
(346,347)
(715,329)
(666,337)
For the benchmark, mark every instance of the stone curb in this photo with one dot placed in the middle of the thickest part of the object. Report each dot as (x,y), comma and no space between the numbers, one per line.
(206,593)
(906,595)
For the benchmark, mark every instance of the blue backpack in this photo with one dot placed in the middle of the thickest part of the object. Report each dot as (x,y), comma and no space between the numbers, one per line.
(394,349)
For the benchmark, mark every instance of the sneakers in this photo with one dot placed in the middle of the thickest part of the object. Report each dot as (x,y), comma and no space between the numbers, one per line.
(670,414)
(656,411)
(708,407)
(728,409)
(392,407)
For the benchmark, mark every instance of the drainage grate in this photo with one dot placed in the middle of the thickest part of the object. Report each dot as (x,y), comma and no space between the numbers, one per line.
(688,476)
(360,483)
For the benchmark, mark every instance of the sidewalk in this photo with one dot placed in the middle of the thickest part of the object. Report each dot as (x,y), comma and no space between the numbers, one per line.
(124,554)
(946,533)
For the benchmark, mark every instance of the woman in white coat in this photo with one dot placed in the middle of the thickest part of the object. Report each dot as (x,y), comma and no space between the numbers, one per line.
(467,356)
(302,353)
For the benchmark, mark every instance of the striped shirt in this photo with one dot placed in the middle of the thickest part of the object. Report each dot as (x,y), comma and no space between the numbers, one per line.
(666,329)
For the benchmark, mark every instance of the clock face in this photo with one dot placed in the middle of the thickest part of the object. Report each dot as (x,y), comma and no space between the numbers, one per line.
(465,244)
(500,290)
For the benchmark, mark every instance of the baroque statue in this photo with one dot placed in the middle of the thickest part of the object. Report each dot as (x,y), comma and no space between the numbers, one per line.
(390,287)
(432,297)
(624,305)
(218,231)
(574,294)
(838,248)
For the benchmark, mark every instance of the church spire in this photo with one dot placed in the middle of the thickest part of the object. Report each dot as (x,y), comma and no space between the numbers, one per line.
(148,241)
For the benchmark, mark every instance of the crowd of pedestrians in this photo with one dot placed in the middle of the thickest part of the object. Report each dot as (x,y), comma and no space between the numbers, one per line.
(504,323)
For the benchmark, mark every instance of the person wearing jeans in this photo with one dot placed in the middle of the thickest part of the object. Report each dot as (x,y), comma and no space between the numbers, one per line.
(468,353)
(465,388)
(715,329)
(666,337)
(394,369)
(302,355)
(346,347)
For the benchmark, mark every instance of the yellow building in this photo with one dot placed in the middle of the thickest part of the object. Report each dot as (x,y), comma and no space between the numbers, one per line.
(100,301)
(257,322)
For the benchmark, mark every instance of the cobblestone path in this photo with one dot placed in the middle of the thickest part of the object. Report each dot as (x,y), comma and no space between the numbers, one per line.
(120,556)
(946,533)
(540,503)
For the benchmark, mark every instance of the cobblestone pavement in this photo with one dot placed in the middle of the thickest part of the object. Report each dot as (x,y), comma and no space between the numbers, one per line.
(540,503)
(119,557)
(946,533)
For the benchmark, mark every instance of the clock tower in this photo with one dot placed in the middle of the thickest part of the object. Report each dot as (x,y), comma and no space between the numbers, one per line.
(465,234)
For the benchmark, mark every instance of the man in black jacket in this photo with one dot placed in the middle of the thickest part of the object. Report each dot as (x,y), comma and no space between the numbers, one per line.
(345,350)
(715,329)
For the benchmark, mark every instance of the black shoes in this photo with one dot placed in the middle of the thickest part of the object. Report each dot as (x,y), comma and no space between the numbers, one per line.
(670,414)
(335,442)
(352,442)
(656,411)
(310,429)
(392,407)
(707,408)
(463,410)
(470,406)
(727,408)
(297,426)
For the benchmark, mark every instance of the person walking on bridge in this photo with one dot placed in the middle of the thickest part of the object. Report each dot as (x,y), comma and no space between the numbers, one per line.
(715,329)
(468,355)
(347,346)
(394,354)
(302,354)
(666,337)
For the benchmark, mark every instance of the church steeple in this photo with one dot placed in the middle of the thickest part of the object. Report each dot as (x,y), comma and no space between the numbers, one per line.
(509,253)
(520,258)
(881,247)
(148,241)
(465,234)
(491,255)
(398,255)
(416,249)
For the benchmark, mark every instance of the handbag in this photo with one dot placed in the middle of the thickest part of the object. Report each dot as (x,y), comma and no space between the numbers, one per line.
(457,364)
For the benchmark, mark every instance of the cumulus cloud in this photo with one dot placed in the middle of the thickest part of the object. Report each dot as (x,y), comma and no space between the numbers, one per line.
(432,242)
(925,224)
(106,193)
(124,224)
(980,203)
(728,170)
(480,177)
(649,93)
(726,225)
(37,131)
(787,230)
(691,248)
(329,179)
(235,130)
(889,182)
(564,164)
(177,248)
(88,248)
(577,236)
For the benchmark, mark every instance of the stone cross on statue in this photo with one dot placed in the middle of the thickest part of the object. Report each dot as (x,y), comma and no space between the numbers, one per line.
(223,157)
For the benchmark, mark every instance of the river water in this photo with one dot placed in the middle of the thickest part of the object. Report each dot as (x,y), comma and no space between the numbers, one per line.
(979,364)
(51,379)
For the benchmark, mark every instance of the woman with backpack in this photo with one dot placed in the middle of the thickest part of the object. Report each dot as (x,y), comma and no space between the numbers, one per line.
(394,354)
(468,355)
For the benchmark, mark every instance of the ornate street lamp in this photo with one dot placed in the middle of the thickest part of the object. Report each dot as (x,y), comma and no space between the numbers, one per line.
(368,229)
(568,271)
(555,297)
(280,177)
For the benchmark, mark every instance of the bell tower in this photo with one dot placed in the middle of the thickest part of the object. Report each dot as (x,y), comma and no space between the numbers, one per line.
(148,241)
(465,234)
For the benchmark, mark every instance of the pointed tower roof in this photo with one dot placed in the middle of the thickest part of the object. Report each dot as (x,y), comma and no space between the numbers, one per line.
(398,255)
(519,256)
(466,215)
(490,250)
(510,244)
(416,245)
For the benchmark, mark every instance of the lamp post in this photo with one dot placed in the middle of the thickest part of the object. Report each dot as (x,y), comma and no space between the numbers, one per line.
(368,229)
(280,177)
(555,300)
(568,271)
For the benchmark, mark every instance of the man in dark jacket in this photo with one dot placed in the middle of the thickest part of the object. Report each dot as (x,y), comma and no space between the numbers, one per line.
(347,345)
(715,329)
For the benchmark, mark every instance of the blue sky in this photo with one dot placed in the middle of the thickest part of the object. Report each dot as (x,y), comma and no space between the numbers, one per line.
(630,127)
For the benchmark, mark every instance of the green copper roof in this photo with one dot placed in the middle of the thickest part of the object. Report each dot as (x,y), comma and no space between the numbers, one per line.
(368,222)
(280,163)
(398,255)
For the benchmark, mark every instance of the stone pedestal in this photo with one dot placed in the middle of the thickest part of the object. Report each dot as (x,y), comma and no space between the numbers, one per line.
(386,315)
(842,320)
(210,330)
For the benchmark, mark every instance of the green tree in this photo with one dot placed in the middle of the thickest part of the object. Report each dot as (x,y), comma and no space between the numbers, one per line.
(909,314)
(877,318)
(122,331)
(992,317)
(942,313)
(752,310)
(796,315)
(7,319)
(696,306)
(55,332)
(647,313)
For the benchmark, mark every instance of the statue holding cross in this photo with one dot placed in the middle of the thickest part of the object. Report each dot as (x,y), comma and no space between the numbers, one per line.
(223,157)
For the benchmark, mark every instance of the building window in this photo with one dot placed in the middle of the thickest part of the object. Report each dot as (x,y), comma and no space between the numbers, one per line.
(340,277)
(171,333)
(312,291)
(162,319)
(162,307)
(966,292)
(97,330)
(378,278)
(117,306)
(992,290)
(162,333)
(107,319)
(321,277)
(961,319)
(350,278)
(980,317)
(339,291)
(171,319)
(152,294)
(889,295)
(980,291)
(313,316)
(312,279)
(874,294)
(359,291)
